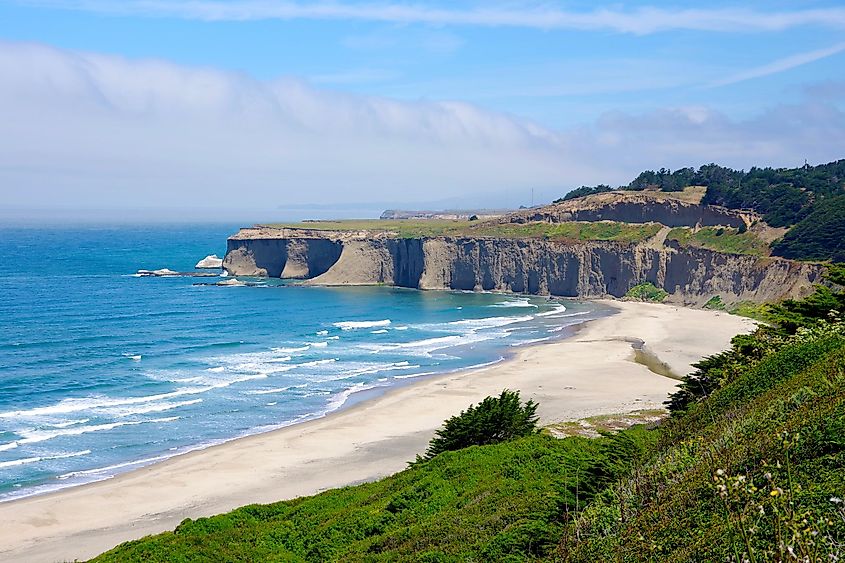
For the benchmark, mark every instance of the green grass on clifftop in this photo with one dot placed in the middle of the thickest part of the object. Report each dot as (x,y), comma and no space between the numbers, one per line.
(721,239)
(570,231)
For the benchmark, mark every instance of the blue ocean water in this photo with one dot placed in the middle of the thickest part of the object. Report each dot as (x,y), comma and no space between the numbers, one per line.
(102,371)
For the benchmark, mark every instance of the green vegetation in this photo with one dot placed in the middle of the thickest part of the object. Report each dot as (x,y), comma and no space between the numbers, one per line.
(494,420)
(783,196)
(715,303)
(584,191)
(646,291)
(811,199)
(819,236)
(750,309)
(570,231)
(750,466)
(721,239)
(482,503)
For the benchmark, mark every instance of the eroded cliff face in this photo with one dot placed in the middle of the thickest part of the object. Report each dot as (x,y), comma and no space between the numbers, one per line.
(589,269)
(635,207)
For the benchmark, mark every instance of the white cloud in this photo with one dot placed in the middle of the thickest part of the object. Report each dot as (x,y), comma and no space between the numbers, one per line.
(83,131)
(781,65)
(638,21)
(95,129)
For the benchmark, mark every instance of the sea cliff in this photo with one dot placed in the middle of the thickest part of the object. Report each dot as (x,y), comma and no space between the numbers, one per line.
(534,266)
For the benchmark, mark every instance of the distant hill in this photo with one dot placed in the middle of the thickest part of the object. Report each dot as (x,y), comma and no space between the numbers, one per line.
(807,200)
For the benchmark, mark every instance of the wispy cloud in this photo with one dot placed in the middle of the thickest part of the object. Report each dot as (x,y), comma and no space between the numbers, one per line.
(781,65)
(644,20)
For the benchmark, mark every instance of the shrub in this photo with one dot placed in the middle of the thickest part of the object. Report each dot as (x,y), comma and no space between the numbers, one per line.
(646,292)
(494,420)
(715,303)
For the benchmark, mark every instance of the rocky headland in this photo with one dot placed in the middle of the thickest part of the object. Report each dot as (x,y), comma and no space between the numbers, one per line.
(476,258)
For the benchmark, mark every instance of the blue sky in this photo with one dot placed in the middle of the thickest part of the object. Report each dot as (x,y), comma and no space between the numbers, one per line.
(256,105)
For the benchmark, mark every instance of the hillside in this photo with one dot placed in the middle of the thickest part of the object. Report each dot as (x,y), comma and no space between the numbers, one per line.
(806,200)
(750,466)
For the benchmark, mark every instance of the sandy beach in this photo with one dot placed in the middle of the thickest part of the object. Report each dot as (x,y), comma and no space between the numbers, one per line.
(591,373)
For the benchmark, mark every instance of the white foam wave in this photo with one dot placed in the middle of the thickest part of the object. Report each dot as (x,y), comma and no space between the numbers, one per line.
(279,360)
(412,375)
(8,446)
(381,331)
(316,363)
(532,341)
(319,344)
(35,436)
(291,350)
(366,369)
(110,468)
(217,369)
(68,423)
(490,322)
(94,403)
(27,460)
(261,369)
(161,407)
(352,325)
(267,391)
(514,303)
(558,309)
(400,328)
(339,399)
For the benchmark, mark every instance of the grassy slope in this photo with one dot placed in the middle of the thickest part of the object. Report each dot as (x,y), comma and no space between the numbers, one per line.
(721,239)
(670,510)
(572,231)
(481,502)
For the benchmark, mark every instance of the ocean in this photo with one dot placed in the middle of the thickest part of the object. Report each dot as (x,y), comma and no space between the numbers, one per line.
(102,372)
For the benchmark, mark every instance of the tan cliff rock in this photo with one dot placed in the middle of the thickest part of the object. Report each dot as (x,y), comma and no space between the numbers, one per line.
(533,266)
(635,207)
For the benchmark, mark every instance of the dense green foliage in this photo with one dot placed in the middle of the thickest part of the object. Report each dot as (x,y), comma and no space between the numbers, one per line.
(819,235)
(493,420)
(646,291)
(491,503)
(584,190)
(812,198)
(783,195)
(749,467)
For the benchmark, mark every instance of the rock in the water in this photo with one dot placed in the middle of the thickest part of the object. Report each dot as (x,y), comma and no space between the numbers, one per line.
(157,273)
(231,282)
(210,262)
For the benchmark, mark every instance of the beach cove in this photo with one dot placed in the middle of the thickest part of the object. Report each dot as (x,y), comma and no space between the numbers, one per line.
(593,372)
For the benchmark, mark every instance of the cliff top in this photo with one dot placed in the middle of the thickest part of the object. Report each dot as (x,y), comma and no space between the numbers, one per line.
(621,216)
(492,228)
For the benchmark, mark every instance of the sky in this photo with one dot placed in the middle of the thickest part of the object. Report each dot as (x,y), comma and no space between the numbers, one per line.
(258,110)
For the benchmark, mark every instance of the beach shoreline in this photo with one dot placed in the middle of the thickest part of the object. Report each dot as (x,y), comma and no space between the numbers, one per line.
(589,373)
